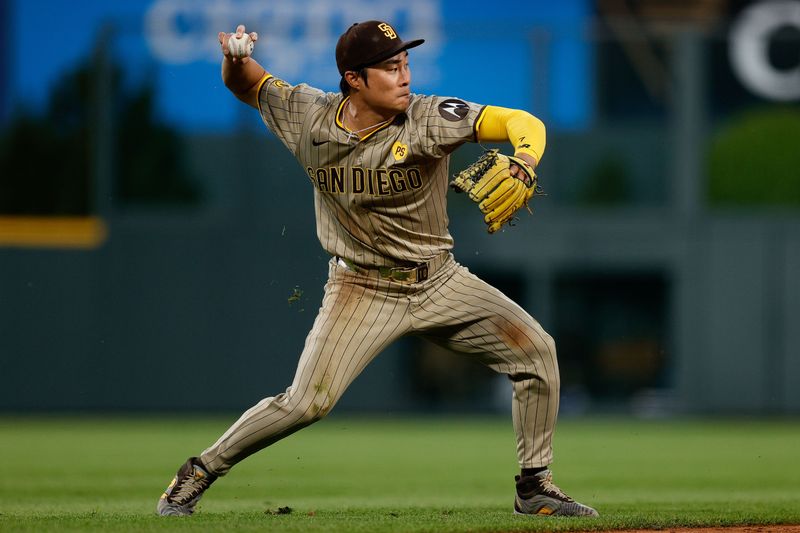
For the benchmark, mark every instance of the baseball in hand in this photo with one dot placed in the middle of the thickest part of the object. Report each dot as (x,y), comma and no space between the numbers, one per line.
(240,47)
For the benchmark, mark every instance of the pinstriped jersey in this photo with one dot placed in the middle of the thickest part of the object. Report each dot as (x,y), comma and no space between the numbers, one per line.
(381,200)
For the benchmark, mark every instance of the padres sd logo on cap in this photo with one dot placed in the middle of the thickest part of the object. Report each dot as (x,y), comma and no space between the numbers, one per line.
(387,30)
(368,43)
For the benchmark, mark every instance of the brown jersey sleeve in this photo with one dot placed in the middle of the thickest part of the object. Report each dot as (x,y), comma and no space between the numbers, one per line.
(446,123)
(283,108)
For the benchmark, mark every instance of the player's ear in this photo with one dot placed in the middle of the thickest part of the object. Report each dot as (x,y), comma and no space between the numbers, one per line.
(352,79)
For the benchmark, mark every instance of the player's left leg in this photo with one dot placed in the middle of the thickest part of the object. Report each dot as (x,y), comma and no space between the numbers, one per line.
(468,315)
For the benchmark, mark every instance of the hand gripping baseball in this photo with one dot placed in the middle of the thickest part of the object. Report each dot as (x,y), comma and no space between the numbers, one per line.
(238,46)
(499,184)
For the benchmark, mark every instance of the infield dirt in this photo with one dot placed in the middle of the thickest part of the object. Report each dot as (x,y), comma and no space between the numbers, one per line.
(735,529)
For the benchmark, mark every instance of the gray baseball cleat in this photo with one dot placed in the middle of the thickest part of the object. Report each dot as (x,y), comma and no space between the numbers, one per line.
(186,489)
(538,495)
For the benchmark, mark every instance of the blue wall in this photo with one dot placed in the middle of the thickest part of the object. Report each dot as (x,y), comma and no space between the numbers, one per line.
(480,54)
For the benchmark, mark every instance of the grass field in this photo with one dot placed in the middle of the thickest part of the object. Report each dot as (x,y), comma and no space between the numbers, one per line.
(442,474)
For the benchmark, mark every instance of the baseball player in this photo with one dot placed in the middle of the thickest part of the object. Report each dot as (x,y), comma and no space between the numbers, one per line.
(377,158)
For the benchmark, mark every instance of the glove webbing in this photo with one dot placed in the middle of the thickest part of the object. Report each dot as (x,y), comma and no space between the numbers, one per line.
(479,168)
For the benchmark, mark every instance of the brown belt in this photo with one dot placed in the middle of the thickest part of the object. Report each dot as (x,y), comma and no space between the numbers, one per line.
(407,274)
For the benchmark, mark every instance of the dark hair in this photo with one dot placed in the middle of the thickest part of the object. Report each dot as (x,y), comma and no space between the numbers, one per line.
(345,87)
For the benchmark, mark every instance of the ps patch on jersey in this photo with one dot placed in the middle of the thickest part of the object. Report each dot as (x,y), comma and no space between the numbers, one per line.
(453,110)
(399,151)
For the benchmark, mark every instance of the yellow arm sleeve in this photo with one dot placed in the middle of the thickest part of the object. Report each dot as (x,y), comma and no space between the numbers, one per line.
(523,130)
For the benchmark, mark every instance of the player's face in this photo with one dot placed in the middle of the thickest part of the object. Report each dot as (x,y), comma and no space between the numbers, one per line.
(389,83)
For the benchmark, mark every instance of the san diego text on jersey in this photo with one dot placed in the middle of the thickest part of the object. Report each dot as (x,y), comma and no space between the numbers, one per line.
(359,180)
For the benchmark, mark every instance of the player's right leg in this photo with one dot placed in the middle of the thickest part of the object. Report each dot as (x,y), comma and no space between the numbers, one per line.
(359,317)
(186,489)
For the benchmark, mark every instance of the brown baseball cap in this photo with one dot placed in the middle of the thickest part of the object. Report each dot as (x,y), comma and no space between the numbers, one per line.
(367,43)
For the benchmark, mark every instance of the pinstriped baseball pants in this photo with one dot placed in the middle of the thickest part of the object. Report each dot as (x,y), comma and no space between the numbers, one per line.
(360,316)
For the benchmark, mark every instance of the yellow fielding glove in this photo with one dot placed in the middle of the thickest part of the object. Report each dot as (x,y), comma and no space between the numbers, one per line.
(499,194)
